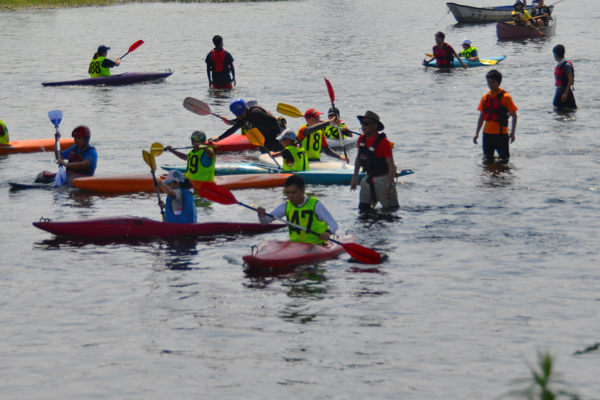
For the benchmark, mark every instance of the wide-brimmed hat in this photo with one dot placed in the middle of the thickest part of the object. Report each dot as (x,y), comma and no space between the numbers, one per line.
(175,176)
(374,117)
(287,134)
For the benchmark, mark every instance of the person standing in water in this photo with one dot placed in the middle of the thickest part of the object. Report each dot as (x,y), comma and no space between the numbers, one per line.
(219,67)
(564,75)
(443,53)
(100,65)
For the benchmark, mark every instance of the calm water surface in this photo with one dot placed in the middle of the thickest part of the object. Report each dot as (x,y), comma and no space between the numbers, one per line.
(486,265)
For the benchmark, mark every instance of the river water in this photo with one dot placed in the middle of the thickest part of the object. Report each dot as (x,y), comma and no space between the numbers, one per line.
(485,265)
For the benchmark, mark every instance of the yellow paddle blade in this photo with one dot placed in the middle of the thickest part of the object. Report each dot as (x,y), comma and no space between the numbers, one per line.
(157,149)
(392,144)
(429,54)
(489,62)
(255,137)
(150,160)
(288,110)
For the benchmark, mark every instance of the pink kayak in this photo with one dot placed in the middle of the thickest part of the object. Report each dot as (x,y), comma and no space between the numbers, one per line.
(273,255)
(144,228)
(234,143)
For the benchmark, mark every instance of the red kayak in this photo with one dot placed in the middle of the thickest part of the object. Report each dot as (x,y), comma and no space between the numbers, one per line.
(273,255)
(145,228)
(234,143)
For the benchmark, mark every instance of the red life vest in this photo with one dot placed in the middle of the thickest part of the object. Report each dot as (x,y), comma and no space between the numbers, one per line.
(218,56)
(494,111)
(78,155)
(562,80)
(443,56)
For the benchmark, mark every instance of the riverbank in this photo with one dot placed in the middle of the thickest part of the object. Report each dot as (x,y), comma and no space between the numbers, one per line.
(14,5)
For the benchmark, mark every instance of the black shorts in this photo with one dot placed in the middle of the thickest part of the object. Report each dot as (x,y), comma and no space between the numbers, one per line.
(495,142)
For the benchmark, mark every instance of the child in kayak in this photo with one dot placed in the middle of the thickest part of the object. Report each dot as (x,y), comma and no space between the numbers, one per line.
(304,211)
(331,131)
(180,207)
(3,133)
(469,52)
(200,160)
(294,157)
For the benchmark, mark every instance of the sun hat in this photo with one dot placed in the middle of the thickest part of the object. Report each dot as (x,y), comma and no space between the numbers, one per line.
(312,113)
(175,176)
(287,134)
(374,117)
(466,41)
(198,136)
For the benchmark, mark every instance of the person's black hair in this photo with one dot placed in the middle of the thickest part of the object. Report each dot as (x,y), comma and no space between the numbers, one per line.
(559,50)
(95,55)
(495,75)
(440,34)
(187,184)
(294,180)
(217,40)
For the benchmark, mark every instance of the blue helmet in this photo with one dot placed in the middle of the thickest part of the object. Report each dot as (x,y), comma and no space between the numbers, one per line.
(237,107)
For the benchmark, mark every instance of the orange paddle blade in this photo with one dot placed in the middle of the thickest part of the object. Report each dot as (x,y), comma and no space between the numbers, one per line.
(255,137)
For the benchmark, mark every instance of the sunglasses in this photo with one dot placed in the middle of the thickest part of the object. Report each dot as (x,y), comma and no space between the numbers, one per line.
(365,123)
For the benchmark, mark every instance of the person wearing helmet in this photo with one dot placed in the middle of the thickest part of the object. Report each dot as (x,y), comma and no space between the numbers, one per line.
(331,131)
(294,156)
(180,207)
(219,66)
(469,52)
(4,139)
(200,160)
(100,65)
(312,138)
(520,15)
(81,158)
(258,118)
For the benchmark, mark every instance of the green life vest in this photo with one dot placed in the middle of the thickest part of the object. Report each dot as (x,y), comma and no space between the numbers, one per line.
(3,133)
(467,53)
(196,170)
(96,69)
(300,161)
(312,144)
(331,132)
(305,216)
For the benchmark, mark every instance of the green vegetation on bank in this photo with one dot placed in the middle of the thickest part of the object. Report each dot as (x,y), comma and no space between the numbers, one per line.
(12,5)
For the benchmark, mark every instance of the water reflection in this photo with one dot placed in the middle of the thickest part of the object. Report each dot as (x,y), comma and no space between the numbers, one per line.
(221,94)
(565,114)
(496,172)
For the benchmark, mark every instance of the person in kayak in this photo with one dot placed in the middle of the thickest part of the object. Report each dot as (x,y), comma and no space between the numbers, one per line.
(564,75)
(377,160)
(294,156)
(331,131)
(469,52)
(200,160)
(180,207)
(4,139)
(302,210)
(313,139)
(495,108)
(541,14)
(258,118)
(219,66)
(520,15)
(443,53)
(100,65)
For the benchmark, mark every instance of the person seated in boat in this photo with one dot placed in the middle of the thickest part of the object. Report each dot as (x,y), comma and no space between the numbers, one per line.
(564,75)
(302,210)
(4,139)
(443,53)
(100,65)
(469,52)
(313,139)
(200,160)
(180,207)
(520,15)
(331,131)
(541,14)
(258,118)
(294,156)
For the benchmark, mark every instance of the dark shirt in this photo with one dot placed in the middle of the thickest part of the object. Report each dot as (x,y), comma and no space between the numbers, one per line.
(106,63)
(264,122)
(220,74)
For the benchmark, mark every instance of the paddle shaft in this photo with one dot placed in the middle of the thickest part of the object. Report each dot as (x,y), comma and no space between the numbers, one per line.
(162,210)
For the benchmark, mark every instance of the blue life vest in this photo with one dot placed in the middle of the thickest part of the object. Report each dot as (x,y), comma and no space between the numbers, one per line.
(188,215)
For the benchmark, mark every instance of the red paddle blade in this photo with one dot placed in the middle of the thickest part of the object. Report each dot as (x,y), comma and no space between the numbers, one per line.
(196,106)
(330,90)
(361,253)
(135,45)
(216,193)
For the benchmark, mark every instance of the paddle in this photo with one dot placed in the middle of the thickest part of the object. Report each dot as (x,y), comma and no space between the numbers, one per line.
(201,108)
(56,117)
(293,112)
(484,62)
(151,161)
(222,195)
(332,97)
(133,47)
(157,148)
(256,138)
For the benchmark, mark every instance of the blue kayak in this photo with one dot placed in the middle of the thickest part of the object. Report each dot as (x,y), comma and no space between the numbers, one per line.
(127,78)
(470,64)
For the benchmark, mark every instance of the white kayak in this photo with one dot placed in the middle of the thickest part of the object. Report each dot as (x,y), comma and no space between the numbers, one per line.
(323,164)
(349,143)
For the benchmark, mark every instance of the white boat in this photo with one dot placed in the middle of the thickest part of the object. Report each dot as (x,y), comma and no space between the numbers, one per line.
(349,142)
(464,14)
(323,164)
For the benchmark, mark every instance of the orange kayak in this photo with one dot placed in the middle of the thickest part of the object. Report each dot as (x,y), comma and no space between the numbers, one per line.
(34,145)
(143,182)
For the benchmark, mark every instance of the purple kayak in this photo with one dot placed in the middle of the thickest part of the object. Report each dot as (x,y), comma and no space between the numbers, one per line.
(127,78)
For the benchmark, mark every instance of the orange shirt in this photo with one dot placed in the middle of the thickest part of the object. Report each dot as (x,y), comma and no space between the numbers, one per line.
(506,101)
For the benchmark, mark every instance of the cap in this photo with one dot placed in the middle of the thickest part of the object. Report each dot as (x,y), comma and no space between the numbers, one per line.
(103,48)
(312,113)
(175,176)
(374,117)
(333,111)
(518,2)
(198,136)
(287,134)
(466,41)
(237,107)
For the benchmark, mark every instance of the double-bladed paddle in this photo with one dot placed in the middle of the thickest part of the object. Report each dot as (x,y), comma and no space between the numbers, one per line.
(151,161)
(257,138)
(201,108)
(56,117)
(222,195)
(293,112)
(157,148)
(484,62)
(133,47)
(332,97)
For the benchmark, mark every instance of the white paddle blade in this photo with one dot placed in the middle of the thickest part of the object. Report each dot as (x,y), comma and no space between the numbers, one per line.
(61,176)
(55,116)
(196,106)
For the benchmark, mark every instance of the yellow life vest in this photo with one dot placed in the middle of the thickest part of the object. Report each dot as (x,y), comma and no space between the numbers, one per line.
(96,69)
(4,139)
(331,132)
(300,161)
(312,144)
(305,216)
(467,53)
(196,170)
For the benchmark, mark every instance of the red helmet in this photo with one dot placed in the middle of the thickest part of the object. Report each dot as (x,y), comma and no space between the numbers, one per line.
(81,131)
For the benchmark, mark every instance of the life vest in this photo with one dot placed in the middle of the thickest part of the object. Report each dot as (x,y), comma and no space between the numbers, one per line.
(4,139)
(521,18)
(218,57)
(467,53)
(562,79)
(331,132)
(200,167)
(300,162)
(541,11)
(370,163)
(443,56)
(305,216)
(312,144)
(77,155)
(188,215)
(96,69)
(494,111)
